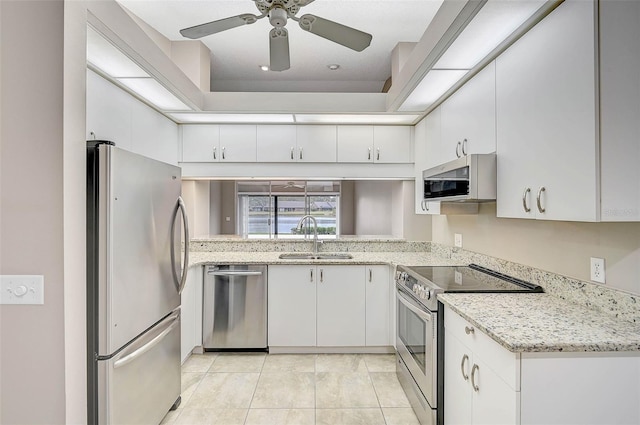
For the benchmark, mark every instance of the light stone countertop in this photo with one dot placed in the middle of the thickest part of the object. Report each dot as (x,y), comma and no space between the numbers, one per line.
(543,323)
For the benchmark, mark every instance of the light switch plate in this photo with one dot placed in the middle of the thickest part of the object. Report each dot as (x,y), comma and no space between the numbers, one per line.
(457,240)
(21,289)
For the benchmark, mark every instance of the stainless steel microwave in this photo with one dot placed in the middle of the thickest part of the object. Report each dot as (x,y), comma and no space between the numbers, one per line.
(471,178)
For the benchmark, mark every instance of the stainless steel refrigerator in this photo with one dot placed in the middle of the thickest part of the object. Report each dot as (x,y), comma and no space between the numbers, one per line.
(135,222)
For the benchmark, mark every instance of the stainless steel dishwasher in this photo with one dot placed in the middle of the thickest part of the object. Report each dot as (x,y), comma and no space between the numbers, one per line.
(235,308)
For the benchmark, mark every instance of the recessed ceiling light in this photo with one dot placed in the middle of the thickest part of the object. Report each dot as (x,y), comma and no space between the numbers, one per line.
(333,66)
(264,67)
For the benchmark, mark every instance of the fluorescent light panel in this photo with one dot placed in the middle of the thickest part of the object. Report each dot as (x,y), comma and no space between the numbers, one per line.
(355,119)
(233,118)
(432,86)
(155,93)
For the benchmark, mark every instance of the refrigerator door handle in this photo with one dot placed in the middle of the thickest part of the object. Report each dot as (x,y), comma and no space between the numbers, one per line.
(180,281)
(149,345)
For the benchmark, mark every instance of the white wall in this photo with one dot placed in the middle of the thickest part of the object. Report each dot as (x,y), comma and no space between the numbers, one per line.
(373,207)
(560,247)
(195,194)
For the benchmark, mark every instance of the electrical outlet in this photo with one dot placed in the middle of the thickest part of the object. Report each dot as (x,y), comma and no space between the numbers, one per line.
(457,240)
(597,270)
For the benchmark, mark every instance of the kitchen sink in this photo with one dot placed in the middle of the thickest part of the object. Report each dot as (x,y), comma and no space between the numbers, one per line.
(311,256)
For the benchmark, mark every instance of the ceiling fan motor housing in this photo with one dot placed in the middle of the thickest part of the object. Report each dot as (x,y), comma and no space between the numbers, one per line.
(278,17)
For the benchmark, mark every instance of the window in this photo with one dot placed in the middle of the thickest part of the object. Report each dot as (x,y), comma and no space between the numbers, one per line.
(273,209)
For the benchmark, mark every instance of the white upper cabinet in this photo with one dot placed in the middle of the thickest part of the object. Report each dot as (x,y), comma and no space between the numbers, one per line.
(427,154)
(546,119)
(392,144)
(316,143)
(374,143)
(218,143)
(468,117)
(276,143)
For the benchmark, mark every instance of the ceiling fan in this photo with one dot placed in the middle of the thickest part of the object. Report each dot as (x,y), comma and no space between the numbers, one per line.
(291,185)
(279,11)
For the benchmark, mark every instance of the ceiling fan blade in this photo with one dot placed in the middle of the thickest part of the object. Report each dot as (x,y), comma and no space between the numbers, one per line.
(279,49)
(338,33)
(220,25)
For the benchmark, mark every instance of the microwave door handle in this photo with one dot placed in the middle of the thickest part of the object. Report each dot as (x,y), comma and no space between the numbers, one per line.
(405,301)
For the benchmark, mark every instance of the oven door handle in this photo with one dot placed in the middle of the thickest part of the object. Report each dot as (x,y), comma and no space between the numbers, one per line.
(411,306)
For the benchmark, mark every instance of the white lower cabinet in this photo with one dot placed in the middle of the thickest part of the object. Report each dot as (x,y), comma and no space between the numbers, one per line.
(327,306)
(191,312)
(487,384)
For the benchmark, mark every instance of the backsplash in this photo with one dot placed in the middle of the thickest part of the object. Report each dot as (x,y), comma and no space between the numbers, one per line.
(617,303)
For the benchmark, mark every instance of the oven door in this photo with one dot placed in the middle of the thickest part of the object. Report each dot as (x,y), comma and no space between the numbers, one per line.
(416,344)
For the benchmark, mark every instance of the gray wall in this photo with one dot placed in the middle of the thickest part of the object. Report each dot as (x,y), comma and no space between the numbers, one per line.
(347,225)
(228,208)
(215,208)
(373,201)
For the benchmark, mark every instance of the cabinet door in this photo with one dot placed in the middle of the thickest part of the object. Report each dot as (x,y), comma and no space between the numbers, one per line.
(292,306)
(433,130)
(276,143)
(316,143)
(494,402)
(546,128)
(238,143)
(341,306)
(392,144)
(378,306)
(200,143)
(457,387)
(469,117)
(355,143)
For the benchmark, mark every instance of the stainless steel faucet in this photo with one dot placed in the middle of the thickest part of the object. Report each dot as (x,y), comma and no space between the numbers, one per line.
(315,231)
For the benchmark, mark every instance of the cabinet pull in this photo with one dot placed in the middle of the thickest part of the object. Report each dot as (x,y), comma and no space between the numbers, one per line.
(524,200)
(458,145)
(378,154)
(422,205)
(321,275)
(292,152)
(464,360)
(369,154)
(311,275)
(214,153)
(538,201)
(464,147)
(370,275)
(223,151)
(300,153)
(469,330)
(474,369)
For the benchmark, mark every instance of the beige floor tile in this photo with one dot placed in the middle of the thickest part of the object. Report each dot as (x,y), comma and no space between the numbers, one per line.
(285,390)
(380,362)
(212,417)
(189,384)
(344,390)
(198,363)
(290,363)
(250,362)
(349,417)
(388,389)
(281,417)
(400,416)
(224,391)
(340,363)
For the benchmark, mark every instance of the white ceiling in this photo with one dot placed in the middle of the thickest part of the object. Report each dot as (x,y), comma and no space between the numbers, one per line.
(237,53)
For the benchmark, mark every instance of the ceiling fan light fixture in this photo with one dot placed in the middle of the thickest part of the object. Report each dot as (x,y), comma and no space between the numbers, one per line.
(278,17)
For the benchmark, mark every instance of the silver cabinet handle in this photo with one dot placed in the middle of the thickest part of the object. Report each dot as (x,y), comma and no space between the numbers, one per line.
(524,200)
(538,201)
(370,275)
(311,275)
(474,369)
(469,330)
(300,153)
(223,150)
(458,146)
(464,147)
(321,275)
(292,152)
(426,206)
(369,154)
(464,360)
(215,150)
(180,281)
(378,154)
(422,205)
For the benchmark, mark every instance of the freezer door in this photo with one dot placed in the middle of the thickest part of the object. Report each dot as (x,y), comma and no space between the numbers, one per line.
(139,197)
(141,383)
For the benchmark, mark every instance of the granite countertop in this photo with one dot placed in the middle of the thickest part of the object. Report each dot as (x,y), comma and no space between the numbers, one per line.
(543,323)
(269,257)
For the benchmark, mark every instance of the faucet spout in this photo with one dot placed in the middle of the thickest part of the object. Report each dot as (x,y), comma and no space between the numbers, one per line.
(315,230)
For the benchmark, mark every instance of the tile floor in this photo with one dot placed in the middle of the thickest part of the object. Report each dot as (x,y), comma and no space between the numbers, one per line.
(291,389)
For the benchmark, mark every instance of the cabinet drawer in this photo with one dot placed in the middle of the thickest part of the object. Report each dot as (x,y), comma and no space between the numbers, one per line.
(502,361)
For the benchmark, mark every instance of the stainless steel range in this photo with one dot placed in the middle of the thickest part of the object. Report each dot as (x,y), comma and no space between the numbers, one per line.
(420,327)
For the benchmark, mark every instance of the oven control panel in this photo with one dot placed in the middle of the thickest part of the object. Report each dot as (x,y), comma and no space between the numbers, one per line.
(421,291)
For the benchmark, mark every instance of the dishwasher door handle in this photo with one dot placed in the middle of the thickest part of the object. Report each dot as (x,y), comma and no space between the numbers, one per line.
(232,273)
